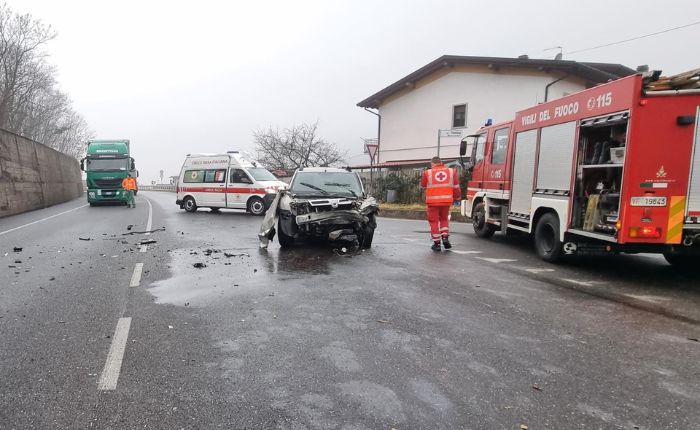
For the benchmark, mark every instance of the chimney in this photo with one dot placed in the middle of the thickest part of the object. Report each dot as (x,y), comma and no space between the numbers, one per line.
(643,68)
(523,57)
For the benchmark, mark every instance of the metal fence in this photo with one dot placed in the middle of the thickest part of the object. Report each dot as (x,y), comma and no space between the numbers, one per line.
(168,188)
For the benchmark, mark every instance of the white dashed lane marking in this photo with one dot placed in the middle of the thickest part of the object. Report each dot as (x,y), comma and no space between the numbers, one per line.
(113,365)
(538,270)
(574,281)
(497,260)
(144,248)
(136,277)
(464,252)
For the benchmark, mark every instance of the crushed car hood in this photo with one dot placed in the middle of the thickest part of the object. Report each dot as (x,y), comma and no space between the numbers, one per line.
(285,200)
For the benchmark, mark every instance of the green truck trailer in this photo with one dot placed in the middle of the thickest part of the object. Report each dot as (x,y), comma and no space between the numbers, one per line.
(106,165)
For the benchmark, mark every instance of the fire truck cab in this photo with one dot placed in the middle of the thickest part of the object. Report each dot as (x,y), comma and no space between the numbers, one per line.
(615,168)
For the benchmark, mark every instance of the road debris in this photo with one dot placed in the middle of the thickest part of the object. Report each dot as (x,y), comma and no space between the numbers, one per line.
(87,239)
(242,254)
(53,278)
(385,322)
(17,249)
(143,232)
(147,241)
(18,261)
(537,387)
(210,251)
(199,265)
(524,427)
(694,339)
(130,226)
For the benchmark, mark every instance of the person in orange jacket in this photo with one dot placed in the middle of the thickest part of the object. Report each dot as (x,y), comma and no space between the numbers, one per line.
(129,185)
(442,189)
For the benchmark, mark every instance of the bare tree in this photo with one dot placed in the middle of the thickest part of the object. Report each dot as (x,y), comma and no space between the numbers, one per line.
(296,147)
(31,104)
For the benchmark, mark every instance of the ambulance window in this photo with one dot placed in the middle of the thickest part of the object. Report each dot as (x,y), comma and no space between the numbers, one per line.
(194,176)
(479,144)
(216,176)
(237,176)
(500,146)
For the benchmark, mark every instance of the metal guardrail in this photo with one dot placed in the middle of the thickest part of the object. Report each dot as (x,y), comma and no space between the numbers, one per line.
(168,188)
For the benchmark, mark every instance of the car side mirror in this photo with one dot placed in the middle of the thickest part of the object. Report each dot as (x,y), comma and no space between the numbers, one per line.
(463,148)
(82,164)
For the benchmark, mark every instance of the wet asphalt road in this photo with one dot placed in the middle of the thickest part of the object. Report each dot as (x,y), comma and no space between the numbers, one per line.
(485,337)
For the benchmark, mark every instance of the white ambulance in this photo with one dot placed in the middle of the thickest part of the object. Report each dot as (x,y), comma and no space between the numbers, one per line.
(232,180)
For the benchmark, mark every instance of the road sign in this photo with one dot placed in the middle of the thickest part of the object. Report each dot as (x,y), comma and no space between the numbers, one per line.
(372,151)
(370,142)
(450,133)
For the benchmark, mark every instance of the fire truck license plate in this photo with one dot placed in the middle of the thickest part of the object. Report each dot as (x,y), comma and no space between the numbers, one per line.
(648,201)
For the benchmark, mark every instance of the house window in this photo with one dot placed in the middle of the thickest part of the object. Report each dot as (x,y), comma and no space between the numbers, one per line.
(459,115)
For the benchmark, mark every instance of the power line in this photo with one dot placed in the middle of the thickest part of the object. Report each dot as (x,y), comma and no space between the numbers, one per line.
(634,38)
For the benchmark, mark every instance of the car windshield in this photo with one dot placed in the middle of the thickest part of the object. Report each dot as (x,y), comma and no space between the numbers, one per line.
(342,183)
(107,165)
(260,174)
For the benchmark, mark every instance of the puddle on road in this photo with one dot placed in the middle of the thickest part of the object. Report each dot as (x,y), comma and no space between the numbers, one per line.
(249,270)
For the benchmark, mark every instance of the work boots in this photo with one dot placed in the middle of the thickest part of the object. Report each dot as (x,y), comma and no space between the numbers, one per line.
(436,247)
(446,242)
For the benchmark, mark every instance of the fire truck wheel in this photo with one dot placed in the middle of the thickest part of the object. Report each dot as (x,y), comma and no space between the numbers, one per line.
(547,242)
(256,206)
(481,227)
(680,261)
(189,204)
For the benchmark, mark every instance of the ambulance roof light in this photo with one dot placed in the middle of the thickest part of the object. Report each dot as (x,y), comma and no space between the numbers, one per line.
(489,122)
(232,152)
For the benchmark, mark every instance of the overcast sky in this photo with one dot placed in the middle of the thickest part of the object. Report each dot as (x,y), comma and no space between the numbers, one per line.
(178,77)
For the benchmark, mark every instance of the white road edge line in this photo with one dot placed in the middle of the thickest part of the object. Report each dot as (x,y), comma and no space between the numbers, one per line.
(113,365)
(136,277)
(150,217)
(585,284)
(456,251)
(43,219)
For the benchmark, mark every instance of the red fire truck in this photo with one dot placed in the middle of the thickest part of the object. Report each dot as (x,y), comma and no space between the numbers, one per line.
(615,168)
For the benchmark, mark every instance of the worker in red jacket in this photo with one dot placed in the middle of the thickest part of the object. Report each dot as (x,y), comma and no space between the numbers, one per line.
(441,191)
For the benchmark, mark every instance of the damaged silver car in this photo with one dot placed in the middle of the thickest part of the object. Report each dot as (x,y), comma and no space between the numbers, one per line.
(323,203)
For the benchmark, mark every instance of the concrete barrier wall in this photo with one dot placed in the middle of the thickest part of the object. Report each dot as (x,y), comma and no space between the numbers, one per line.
(34,176)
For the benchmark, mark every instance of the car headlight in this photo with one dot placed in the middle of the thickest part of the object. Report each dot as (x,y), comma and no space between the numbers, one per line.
(270,190)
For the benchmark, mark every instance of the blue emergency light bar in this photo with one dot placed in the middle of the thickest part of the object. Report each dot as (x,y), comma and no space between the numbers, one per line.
(488,122)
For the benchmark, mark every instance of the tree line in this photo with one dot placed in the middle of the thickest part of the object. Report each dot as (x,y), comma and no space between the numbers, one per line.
(31,102)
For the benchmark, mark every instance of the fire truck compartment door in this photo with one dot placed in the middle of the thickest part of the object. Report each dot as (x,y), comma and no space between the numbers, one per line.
(523,171)
(694,185)
(556,157)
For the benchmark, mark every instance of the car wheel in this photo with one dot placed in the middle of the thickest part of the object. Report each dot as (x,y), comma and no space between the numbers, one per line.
(284,240)
(481,227)
(256,206)
(368,235)
(189,204)
(680,261)
(547,242)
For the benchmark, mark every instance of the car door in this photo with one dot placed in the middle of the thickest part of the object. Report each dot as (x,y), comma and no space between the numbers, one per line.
(214,194)
(239,189)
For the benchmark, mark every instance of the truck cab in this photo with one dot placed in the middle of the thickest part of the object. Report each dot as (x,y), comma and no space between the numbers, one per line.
(489,188)
(106,164)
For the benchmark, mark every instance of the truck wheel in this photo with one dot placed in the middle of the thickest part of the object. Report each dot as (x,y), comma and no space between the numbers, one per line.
(547,242)
(680,261)
(284,240)
(189,204)
(256,206)
(481,227)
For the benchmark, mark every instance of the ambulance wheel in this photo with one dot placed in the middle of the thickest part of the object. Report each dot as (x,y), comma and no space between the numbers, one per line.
(256,206)
(189,204)
(284,240)
(481,227)
(680,261)
(547,243)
